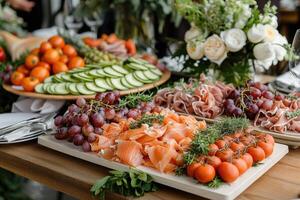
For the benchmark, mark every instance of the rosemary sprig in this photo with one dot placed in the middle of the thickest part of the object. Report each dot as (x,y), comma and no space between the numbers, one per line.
(204,138)
(147,119)
(133,100)
(292,97)
(292,114)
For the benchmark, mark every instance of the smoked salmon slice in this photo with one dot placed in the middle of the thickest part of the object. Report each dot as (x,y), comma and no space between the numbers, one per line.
(130,153)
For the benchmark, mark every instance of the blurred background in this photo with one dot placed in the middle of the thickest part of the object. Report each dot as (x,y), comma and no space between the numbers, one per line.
(152,24)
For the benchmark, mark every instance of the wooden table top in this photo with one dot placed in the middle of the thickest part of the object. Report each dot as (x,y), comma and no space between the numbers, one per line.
(75,177)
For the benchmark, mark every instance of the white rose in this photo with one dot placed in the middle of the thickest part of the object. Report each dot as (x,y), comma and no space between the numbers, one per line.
(195,50)
(192,34)
(270,33)
(256,33)
(235,39)
(215,49)
(262,65)
(264,51)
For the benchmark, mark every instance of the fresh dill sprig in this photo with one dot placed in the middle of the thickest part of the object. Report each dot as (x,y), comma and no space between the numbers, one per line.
(133,100)
(292,114)
(147,119)
(202,140)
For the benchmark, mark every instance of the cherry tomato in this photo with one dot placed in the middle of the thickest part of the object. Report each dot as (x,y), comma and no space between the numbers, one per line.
(221,144)
(16,78)
(225,155)
(57,41)
(240,164)
(205,173)
(76,62)
(228,172)
(212,149)
(59,67)
(69,51)
(31,61)
(257,154)
(213,161)
(35,51)
(51,56)
(248,159)
(237,146)
(29,83)
(40,73)
(23,70)
(44,64)
(191,169)
(2,55)
(45,46)
(267,147)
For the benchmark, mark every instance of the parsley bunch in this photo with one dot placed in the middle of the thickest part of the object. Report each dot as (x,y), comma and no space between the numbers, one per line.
(133,183)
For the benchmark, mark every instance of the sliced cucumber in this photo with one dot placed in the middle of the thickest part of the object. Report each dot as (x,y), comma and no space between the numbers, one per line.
(73,89)
(120,69)
(60,88)
(49,79)
(94,73)
(56,79)
(112,73)
(139,75)
(82,89)
(45,87)
(156,71)
(125,83)
(150,75)
(138,61)
(78,70)
(101,73)
(117,84)
(132,81)
(108,81)
(51,88)
(136,66)
(79,77)
(92,66)
(69,78)
(102,83)
(93,87)
(39,88)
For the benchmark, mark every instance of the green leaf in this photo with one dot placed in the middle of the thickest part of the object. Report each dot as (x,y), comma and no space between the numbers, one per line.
(100,184)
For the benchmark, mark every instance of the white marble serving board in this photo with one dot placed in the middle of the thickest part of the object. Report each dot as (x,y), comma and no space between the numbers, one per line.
(187,184)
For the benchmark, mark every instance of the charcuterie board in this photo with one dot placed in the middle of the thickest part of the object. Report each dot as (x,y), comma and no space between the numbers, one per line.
(165,77)
(187,184)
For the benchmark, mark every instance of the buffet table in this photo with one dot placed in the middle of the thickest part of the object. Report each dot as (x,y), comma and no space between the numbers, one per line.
(75,177)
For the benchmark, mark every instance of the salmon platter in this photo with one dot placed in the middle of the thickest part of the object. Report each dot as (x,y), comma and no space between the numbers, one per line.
(217,161)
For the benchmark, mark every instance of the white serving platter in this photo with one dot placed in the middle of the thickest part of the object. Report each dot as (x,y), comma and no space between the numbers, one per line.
(187,184)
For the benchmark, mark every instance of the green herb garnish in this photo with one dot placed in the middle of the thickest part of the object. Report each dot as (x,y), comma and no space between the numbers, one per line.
(133,100)
(147,119)
(202,140)
(217,182)
(292,97)
(133,183)
(292,114)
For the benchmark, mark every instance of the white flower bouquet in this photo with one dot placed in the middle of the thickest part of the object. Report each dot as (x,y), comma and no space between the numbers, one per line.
(231,36)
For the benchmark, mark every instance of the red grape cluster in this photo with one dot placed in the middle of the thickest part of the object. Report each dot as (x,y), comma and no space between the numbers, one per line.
(5,75)
(249,100)
(85,119)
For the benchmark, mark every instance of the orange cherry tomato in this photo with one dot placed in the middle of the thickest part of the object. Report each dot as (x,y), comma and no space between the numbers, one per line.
(35,51)
(31,61)
(213,161)
(44,64)
(191,169)
(57,41)
(29,83)
(104,37)
(23,70)
(225,155)
(45,46)
(228,172)
(240,164)
(40,73)
(267,147)
(257,154)
(212,149)
(237,146)
(17,77)
(51,56)
(270,139)
(221,144)
(248,159)
(76,62)
(92,42)
(112,38)
(59,67)
(64,59)
(205,173)
(236,135)
(69,50)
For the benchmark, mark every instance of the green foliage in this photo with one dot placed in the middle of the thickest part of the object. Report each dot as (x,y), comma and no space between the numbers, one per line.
(133,100)
(11,186)
(147,119)
(133,183)
(217,182)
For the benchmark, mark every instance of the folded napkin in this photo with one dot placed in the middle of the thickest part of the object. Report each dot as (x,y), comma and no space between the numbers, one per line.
(41,106)
(288,80)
